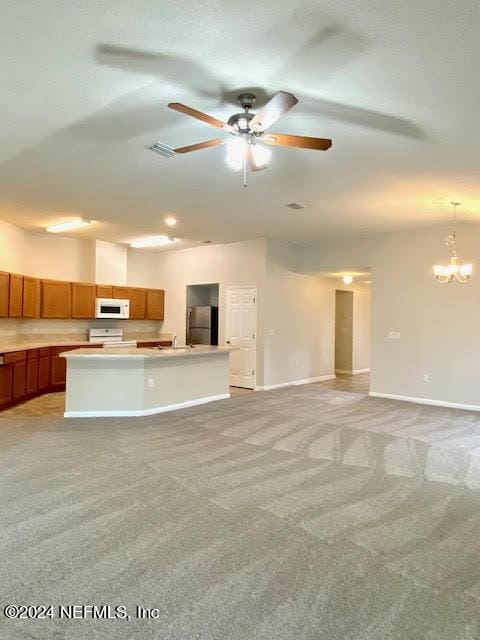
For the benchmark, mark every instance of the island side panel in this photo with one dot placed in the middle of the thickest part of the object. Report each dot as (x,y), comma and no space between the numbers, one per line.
(104,387)
(186,380)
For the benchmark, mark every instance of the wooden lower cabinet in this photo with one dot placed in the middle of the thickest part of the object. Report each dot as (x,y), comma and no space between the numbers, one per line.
(44,371)
(32,376)
(32,372)
(19,380)
(58,368)
(5,385)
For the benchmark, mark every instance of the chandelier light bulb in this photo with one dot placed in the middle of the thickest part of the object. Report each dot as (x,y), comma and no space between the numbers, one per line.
(454,271)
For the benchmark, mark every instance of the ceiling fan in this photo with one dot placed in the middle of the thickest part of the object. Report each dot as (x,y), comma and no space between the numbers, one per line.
(248,131)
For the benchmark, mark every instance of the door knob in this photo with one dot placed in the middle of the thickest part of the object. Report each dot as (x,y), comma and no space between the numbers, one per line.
(228,341)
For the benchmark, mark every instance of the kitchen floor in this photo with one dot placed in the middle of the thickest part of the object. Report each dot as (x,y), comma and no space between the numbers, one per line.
(53,404)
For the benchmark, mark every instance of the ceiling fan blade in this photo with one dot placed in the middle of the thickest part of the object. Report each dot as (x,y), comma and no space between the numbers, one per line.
(272,111)
(305,142)
(180,70)
(199,115)
(253,166)
(200,145)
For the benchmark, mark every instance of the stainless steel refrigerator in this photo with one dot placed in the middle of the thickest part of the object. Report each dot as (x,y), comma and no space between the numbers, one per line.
(202,325)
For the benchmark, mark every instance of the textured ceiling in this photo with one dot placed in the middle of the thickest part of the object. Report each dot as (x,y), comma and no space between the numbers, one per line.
(394,84)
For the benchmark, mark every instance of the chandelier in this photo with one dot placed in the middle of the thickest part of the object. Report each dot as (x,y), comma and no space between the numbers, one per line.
(454,271)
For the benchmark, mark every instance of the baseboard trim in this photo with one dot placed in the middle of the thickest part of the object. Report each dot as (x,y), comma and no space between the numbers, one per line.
(428,401)
(144,412)
(352,372)
(295,383)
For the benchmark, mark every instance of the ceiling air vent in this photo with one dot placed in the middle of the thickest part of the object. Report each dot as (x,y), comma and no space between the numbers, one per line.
(296,205)
(162,150)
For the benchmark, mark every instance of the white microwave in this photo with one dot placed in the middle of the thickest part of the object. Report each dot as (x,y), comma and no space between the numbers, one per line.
(111,308)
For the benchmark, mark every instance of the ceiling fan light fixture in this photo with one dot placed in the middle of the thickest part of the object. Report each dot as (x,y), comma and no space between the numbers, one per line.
(242,123)
(236,150)
(261,155)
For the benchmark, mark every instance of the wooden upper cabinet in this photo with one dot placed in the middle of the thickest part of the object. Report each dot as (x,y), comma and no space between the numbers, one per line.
(55,299)
(31,297)
(104,291)
(121,293)
(15,307)
(138,300)
(83,300)
(4,293)
(155,304)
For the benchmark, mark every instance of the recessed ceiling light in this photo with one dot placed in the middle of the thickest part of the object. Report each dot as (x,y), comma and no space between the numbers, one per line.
(347,279)
(68,225)
(152,241)
(170,221)
(296,205)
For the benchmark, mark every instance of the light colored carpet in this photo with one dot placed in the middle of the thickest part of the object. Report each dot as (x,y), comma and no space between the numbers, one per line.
(302,513)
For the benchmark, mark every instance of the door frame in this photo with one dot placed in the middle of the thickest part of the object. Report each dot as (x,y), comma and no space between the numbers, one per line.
(234,287)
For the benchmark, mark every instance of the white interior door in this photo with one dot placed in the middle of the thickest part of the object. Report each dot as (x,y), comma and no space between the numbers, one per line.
(241,333)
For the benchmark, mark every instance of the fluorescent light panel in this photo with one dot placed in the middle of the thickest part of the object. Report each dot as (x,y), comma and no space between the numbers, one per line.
(152,241)
(68,225)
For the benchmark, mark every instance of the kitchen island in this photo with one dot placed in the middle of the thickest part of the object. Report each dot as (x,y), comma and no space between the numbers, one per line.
(125,381)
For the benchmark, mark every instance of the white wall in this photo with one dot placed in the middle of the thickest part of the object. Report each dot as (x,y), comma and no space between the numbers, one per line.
(44,255)
(295,312)
(362,304)
(110,263)
(240,263)
(439,324)
(298,320)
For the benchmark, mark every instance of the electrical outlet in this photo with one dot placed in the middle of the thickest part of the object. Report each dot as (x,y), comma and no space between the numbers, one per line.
(425,377)
(151,383)
(297,363)
(271,332)
(394,335)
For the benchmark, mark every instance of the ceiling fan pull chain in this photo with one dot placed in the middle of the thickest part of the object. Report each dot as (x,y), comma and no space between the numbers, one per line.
(245,168)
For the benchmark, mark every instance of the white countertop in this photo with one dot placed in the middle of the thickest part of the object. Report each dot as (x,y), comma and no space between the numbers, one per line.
(142,353)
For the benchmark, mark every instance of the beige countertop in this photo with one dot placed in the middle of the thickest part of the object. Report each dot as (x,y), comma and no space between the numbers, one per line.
(24,346)
(129,353)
